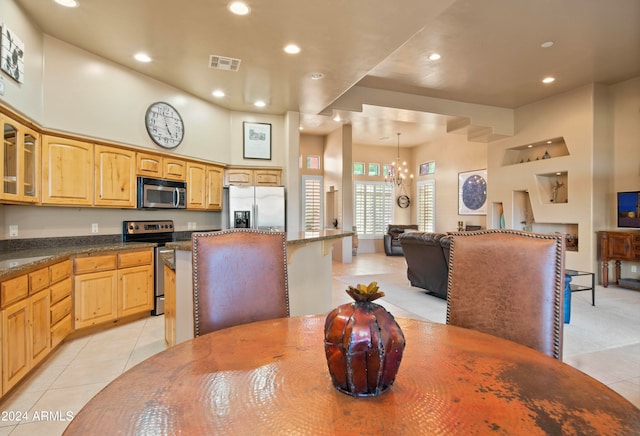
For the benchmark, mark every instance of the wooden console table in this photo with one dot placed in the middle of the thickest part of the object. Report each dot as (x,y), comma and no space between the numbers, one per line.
(619,246)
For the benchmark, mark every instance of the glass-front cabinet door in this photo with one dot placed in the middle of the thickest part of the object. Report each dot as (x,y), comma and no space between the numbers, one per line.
(19,162)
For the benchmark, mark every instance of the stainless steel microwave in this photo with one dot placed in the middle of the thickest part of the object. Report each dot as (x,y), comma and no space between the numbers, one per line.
(161,194)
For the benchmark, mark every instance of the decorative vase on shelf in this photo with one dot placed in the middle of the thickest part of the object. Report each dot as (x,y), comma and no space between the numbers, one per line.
(363,344)
(546,155)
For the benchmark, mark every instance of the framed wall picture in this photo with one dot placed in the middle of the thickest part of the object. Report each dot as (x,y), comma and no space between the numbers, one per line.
(12,52)
(472,193)
(427,168)
(256,140)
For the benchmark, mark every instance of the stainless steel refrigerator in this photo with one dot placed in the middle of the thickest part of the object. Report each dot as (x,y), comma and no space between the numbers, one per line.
(256,207)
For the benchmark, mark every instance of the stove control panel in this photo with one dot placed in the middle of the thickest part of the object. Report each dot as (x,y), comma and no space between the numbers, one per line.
(140,227)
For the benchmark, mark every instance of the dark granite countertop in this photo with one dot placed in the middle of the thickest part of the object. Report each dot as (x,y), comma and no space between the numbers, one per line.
(293,238)
(23,260)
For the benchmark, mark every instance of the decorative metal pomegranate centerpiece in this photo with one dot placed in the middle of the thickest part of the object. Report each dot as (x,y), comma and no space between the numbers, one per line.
(363,344)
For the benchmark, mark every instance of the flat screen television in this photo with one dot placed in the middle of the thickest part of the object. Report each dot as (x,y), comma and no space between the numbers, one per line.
(629,209)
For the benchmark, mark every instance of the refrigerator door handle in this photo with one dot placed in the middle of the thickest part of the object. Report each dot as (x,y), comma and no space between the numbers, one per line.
(254,224)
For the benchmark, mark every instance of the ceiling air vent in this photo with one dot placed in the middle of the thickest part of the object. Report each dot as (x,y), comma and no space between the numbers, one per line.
(224,63)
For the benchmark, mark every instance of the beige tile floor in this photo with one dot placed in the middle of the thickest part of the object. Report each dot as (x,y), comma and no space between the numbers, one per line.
(78,369)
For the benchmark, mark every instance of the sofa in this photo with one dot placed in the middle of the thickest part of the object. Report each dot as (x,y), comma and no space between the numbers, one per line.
(427,257)
(392,245)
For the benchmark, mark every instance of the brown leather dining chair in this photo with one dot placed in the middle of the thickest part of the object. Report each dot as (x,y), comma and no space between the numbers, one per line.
(239,276)
(510,284)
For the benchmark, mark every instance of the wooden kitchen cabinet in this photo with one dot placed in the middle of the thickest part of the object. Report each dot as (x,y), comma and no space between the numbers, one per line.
(135,282)
(16,351)
(20,169)
(115,177)
(214,187)
(112,286)
(253,176)
(28,316)
(161,167)
(196,185)
(26,337)
(169,306)
(40,327)
(61,322)
(95,298)
(204,186)
(67,172)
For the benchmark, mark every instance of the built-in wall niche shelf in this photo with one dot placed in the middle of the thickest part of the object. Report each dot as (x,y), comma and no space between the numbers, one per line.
(524,219)
(541,150)
(554,187)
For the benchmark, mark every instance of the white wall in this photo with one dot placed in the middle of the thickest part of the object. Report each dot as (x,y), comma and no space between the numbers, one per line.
(26,97)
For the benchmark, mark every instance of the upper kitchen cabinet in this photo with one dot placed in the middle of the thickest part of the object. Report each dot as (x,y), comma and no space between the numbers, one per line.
(20,162)
(161,167)
(67,171)
(196,183)
(115,177)
(204,186)
(214,187)
(253,176)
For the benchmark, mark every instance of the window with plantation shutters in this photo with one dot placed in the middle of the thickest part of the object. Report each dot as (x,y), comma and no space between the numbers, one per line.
(373,208)
(312,203)
(426,206)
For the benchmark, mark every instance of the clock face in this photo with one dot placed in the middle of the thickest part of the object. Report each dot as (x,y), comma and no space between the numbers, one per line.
(403,201)
(164,125)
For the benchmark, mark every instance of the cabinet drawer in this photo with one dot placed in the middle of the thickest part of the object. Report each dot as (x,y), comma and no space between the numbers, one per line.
(14,290)
(60,271)
(60,330)
(38,280)
(135,258)
(60,310)
(60,290)
(89,264)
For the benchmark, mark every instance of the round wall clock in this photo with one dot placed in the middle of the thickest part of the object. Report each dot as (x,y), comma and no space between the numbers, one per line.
(403,201)
(164,125)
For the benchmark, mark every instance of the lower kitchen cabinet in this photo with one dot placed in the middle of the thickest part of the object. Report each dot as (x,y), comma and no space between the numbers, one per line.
(95,298)
(121,285)
(135,290)
(15,344)
(26,337)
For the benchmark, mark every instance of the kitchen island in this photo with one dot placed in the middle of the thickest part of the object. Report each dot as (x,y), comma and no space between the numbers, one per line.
(308,268)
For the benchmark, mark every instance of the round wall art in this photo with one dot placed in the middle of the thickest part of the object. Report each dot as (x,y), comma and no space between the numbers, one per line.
(472,196)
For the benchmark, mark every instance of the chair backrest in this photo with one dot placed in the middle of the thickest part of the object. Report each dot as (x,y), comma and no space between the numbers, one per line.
(239,276)
(509,283)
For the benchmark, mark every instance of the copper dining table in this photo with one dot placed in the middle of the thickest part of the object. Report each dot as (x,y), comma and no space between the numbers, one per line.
(271,378)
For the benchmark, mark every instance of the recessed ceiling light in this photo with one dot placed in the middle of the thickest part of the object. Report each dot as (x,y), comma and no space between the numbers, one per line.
(239,8)
(547,44)
(548,79)
(219,93)
(68,3)
(434,56)
(259,103)
(300,128)
(336,118)
(292,49)
(529,146)
(142,57)
(317,76)
(549,142)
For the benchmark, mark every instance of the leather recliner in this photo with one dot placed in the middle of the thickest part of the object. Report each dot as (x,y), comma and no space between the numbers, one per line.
(427,257)
(392,245)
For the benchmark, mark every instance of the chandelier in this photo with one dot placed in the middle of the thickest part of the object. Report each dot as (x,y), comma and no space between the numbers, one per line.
(398,171)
